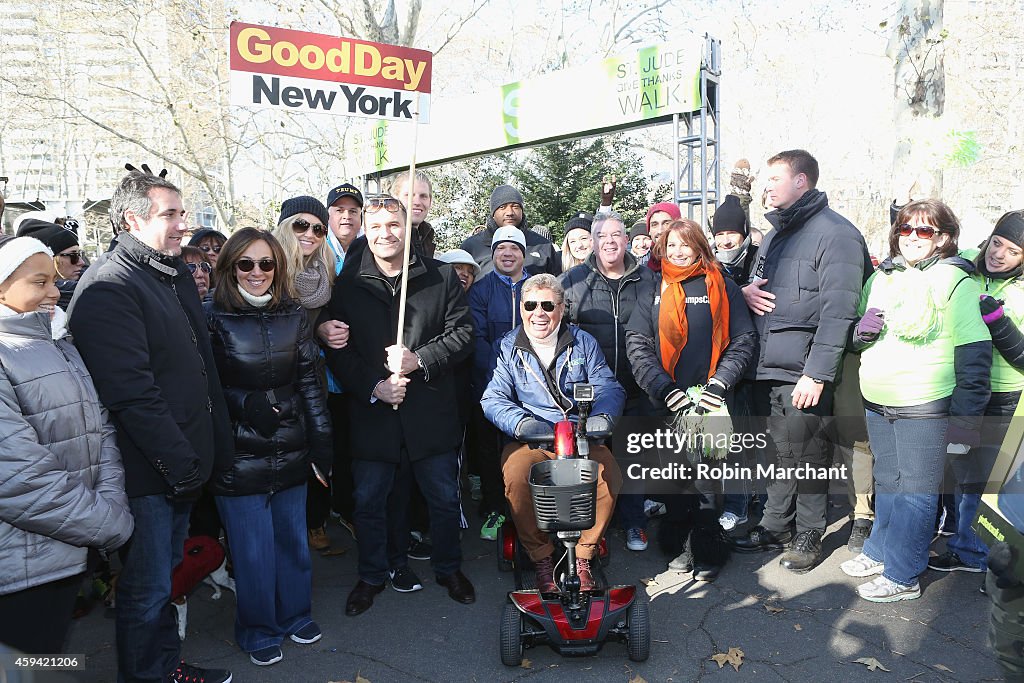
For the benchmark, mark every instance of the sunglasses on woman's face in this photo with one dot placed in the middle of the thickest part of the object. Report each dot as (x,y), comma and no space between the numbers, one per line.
(211,248)
(925,232)
(301,225)
(548,306)
(247,264)
(73,257)
(202,265)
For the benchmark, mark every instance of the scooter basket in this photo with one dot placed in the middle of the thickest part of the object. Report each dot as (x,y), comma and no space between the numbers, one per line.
(564,494)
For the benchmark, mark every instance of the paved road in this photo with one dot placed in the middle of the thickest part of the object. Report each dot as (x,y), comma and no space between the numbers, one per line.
(790,628)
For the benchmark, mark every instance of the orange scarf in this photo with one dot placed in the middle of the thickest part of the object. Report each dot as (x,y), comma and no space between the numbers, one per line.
(672,323)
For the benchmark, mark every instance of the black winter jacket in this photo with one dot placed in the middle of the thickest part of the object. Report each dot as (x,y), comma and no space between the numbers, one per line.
(137,322)
(604,307)
(816,263)
(541,255)
(438,328)
(270,352)
(643,344)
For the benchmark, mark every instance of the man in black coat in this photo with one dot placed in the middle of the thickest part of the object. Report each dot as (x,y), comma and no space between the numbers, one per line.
(404,402)
(507,209)
(137,322)
(804,293)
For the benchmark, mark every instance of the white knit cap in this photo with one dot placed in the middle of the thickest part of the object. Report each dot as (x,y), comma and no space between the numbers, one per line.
(508,233)
(14,252)
(460,256)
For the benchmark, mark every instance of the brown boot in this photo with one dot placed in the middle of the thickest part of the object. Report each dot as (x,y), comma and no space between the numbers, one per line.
(318,539)
(587,582)
(546,575)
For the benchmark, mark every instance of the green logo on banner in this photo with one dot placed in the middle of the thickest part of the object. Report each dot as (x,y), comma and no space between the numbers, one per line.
(510,112)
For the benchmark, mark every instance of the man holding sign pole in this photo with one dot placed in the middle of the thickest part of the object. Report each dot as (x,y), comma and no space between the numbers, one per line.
(403,398)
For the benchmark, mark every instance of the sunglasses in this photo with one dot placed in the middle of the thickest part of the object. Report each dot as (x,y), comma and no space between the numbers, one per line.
(207,248)
(925,232)
(205,267)
(247,264)
(548,306)
(73,257)
(301,225)
(374,204)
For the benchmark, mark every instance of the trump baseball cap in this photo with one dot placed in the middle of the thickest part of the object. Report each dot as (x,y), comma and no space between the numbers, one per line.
(345,190)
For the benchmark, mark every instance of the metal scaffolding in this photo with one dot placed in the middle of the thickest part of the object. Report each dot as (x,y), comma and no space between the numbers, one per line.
(696,164)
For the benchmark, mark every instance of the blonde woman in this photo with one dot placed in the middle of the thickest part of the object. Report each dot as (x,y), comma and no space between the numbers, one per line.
(302,232)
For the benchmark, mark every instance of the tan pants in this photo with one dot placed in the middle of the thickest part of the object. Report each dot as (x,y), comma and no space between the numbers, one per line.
(516,461)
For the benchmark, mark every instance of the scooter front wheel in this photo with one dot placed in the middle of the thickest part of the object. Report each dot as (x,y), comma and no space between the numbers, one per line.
(512,636)
(639,638)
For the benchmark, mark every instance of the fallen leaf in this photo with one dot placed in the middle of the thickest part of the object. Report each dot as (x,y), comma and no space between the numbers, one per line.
(527,664)
(637,679)
(772,609)
(734,657)
(940,667)
(798,627)
(871,663)
(360,679)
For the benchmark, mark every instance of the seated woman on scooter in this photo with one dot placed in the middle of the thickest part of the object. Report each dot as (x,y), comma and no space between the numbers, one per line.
(538,363)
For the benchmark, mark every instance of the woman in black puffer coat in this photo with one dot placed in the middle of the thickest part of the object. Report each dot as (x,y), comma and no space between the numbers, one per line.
(269,367)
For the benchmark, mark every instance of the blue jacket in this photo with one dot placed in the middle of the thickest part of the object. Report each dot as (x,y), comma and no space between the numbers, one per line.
(515,392)
(495,308)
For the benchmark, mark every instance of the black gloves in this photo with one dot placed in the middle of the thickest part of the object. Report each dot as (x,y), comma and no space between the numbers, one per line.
(712,398)
(188,488)
(260,414)
(991,309)
(530,429)
(676,399)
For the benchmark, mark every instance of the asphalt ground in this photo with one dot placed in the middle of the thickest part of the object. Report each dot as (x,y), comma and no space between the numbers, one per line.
(810,627)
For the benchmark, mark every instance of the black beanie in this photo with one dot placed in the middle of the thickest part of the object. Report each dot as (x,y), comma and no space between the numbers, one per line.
(1011,227)
(580,220)
(729,217)
(639,228)
(57,238)
(505,194)
(304,204)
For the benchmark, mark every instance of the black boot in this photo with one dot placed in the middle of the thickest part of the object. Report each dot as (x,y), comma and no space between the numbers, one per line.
(804,552)
(709,545)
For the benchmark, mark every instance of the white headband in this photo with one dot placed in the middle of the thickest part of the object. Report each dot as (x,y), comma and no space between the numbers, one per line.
(15,252)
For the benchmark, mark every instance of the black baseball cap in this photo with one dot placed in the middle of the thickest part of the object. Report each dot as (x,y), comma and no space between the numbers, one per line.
(345,190)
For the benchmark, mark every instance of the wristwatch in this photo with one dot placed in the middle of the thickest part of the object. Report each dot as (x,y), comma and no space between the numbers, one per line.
(817,381)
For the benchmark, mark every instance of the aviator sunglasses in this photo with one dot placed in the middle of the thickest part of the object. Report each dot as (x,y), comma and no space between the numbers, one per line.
(247,264)
(374,204)
(301,225)
(204,266)
(548,306)
(925,232)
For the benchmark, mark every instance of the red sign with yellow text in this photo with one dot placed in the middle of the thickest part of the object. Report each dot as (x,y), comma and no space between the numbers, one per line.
(279,68)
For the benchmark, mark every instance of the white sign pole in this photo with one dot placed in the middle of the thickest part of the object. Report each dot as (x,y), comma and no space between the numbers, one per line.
(410,185)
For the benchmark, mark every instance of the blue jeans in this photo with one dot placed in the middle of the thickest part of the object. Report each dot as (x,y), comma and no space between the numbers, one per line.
(273,572)
(148,648)
(379,527)
(910,455)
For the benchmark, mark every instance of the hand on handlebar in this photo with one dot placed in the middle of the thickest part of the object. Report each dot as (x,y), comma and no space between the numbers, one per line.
(530,429)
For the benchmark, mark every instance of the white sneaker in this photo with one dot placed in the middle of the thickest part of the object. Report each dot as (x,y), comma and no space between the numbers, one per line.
(862,565)
(730,520)
(884,590)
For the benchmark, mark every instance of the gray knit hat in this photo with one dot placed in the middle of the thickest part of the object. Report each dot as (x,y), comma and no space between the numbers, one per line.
(505,194)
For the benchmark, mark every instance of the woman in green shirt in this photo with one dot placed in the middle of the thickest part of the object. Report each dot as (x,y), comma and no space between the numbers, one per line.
(925,361)
(1002,307)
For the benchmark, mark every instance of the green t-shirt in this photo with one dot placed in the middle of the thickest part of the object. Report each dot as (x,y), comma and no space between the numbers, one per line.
(1005,377)
(928,313)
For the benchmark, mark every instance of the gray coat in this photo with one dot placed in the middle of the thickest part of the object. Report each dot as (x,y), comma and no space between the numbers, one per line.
(61,481)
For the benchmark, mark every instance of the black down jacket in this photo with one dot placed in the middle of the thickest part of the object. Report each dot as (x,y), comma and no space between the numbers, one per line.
(643,345)
(603,307)
(270,352)
(816,263)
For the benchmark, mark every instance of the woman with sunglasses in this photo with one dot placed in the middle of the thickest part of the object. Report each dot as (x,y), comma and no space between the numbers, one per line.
(68,258)
(999,273)
(270,371)
(200,268)
(302,231)
(210,242)
(698,333)
(926,356)
(61,479)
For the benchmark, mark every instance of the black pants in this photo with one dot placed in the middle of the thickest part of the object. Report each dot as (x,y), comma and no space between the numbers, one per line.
(487,448)
(320,500)
(796,437)
(36,620)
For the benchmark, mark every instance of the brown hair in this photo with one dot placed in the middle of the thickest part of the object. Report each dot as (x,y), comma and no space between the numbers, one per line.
(938,214)
(188,252)
(226,295)
(692,235)
(799,161)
